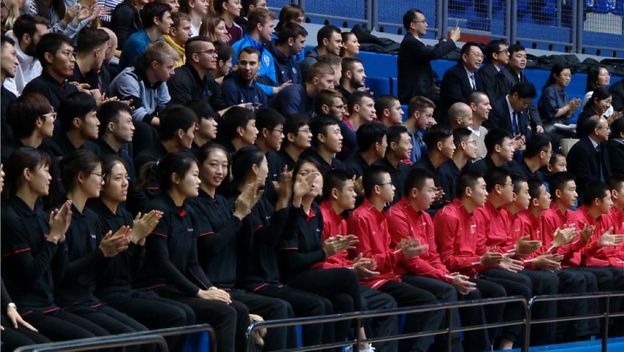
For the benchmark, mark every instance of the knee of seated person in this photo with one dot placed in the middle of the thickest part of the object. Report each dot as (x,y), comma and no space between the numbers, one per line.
(448,294)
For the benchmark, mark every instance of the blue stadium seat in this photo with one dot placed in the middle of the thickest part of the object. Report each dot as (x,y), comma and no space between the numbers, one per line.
(379,85)
(199,341)
(603,6)
(379,65)
(619,8)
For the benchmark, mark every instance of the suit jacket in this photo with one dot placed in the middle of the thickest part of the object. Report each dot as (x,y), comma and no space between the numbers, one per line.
(500,118)
(585,163)
(617,92)
(615,150)
(494,83)
(512,80)
(416,77)
(455,87)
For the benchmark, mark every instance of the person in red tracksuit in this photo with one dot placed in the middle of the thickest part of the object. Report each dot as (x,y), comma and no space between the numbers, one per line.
(339,196)
(457,233)
(409,219)
(572,279)
(545,282)
(600,255)
(616,186)
(368,223)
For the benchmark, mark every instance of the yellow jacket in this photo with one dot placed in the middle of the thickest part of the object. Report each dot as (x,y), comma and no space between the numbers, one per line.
(179,49)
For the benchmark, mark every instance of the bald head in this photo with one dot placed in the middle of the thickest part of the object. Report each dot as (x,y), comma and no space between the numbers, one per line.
(460,115)
(112,44)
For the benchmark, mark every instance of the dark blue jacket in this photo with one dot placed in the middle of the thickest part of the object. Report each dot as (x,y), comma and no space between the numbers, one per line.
(236,91)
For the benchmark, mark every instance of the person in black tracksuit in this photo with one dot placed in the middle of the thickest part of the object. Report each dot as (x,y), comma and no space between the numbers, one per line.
(32,249)
(171,267)
(12,336)
(258,239)
(301,248)
(89,251)
(218,225)
(114,284)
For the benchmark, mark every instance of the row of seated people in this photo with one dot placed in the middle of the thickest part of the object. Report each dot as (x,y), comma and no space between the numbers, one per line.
(263,251)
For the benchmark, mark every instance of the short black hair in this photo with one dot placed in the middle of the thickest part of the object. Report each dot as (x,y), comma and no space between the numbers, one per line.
(77,104)
(460,134)
(290,30)
(594,189)
(109,112)
(50,43)
(466,48)
(558,180)
(235,117)
(409,16)
(175,118)
(534,188)
(151,10)
(27,24)
(326,32)
(356,99)
(190,47)
(555,155)
(493,47)
(524,90)
(536,143)
(224,51)
(269,118)
(515,48)
(495,137)
(91,38)
(615,181)
(395,132)
(373,176)
(6,40)
(517,181)
(22,113)
(203,109)
(370,133)
(320,124)
(334,179)
(435,135)
(384,102)
(496,176)
(293,124)
(416,179)
(467,179)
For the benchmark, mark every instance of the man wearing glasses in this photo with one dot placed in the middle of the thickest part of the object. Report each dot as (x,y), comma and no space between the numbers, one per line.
(416,77)
(192,81)
(492,74)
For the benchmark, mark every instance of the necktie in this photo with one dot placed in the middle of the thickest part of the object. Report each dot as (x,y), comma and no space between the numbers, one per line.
(514,121)
(473,84)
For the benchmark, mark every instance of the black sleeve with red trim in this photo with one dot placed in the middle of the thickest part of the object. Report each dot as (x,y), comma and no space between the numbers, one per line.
(293,257)
(17,252)
(272,233)
(157,251)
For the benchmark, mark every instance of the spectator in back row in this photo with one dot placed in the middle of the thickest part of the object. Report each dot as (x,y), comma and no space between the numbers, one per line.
(241,87)
(329,41)
(193,81)
(279,64)
(299,98)
(460,80)
(156,20)
(56,54)
(126,20)
(90,56)
(492,74)
(27,31)
(8,65)
(230,10)
(511,112)
(353,77)
(416,77)
(480,106)
(197,10)
(258,32)
(179,33)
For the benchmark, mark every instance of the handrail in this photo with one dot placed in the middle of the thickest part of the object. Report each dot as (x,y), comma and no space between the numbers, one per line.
(394,312)
(128,339)
(93,343)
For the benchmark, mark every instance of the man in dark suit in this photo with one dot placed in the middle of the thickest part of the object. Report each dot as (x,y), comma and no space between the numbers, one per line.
(492,76)
(617,92)
(588,159)
(460,80)
(416,77)
(514,73)
(511,112)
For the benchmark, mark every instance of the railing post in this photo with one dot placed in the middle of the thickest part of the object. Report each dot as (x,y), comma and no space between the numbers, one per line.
(302,4)
(371,14)
(605,331)
(577,26)
(449,336)
(511,20)
(528,308)
(442,17)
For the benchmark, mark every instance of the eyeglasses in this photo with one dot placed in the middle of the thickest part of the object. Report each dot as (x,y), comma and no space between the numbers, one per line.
(50,114)
(385,184)
(102,175)
(209,52)
(419,21)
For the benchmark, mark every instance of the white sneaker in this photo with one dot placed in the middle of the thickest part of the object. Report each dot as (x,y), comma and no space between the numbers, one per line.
(368,348)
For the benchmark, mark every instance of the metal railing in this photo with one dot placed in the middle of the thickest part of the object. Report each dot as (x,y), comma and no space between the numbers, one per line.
(123,340)
(559,25)
(358,316)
